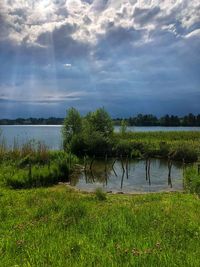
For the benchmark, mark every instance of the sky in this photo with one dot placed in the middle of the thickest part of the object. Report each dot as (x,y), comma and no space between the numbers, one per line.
(129,56)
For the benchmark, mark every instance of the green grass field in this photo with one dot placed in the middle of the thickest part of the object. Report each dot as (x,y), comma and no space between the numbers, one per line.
(60,227)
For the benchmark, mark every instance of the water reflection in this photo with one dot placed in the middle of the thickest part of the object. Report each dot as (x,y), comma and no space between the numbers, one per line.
(150,175)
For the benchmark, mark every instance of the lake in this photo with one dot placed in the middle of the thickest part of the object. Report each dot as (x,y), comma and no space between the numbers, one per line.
(133,180)
(51,134)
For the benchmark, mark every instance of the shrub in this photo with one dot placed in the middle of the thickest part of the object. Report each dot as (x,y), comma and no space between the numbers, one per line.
(89,135)
(98,145)
(99,121)
(123,147)
(164,149)
(185,153)
(135,153)
(137,145)
(100,195)
(78,145)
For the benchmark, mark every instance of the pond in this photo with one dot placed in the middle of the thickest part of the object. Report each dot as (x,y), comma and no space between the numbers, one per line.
(130,177)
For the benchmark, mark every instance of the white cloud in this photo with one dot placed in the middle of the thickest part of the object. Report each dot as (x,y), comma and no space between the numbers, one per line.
(45,96)
(195,33)
(67,65)
(26,20)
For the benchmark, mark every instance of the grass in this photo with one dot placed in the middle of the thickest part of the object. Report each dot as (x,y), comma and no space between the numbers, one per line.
(59,227)
(165,136)
(100,195)
(192,179)
(35,168)
(179,145)
(33,165)
(35,175)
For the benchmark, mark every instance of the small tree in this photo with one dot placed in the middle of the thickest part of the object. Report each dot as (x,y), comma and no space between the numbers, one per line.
(99,121)
(89,135)
(72,126)
(98,130)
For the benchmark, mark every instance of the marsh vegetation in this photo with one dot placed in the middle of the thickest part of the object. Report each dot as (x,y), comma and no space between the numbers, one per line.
(45,224)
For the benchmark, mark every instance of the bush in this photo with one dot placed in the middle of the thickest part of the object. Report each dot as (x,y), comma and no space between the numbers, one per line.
(89,135)
(135,154)
(100,195)
(164,149)
(98,145)
(123,147)
(138,146)
(78,145)
(185,153)
(99,121)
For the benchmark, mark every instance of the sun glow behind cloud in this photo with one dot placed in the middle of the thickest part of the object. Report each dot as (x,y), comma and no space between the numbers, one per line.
(129,56)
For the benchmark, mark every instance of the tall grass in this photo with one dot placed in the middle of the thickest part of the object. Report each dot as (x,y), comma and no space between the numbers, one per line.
(59,227)
(36,175)
(192,179)
(33,165)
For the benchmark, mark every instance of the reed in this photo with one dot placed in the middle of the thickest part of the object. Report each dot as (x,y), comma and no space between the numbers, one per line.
(33,165)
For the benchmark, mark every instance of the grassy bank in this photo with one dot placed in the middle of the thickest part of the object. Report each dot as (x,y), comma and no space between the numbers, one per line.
(178,145)
(33,165)
(58,227)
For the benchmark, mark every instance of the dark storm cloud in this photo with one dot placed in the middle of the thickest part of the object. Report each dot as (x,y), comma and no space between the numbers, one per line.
(63,45)
(116,36)
(128,56)
(117,40)
(4,27)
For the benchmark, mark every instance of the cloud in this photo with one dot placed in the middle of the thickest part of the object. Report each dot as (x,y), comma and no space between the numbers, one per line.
(44,97)
(127,49)
(145,15)
(67,65)
(79,22)
(195,33)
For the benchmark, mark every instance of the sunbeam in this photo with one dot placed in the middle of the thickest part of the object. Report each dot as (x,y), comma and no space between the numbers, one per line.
(129,56)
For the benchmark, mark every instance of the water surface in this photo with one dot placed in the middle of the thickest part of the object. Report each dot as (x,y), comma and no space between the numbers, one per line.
(134,178)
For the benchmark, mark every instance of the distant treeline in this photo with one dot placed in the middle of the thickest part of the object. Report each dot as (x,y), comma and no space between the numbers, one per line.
(32,121)
(167,120)
(139,120)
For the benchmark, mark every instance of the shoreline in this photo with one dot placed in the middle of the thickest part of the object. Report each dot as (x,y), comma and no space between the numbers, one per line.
(110,192)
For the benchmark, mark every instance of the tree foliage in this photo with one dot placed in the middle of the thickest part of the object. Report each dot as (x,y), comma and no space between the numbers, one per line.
(88,135)
(72,126)
(99,121)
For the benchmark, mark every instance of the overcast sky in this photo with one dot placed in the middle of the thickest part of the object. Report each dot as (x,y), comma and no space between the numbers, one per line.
(129,56)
